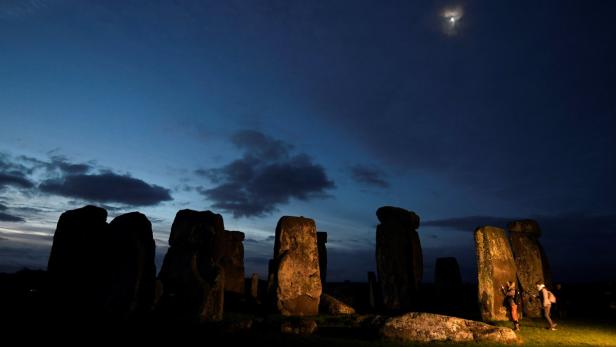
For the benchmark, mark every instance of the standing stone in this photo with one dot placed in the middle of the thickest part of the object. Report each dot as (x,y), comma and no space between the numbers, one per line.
(321,241)
(448,282)
(132,266)
(192,278)
(254,286)
(374,291)
(232,261)
(78,263)
(530,262)
(295,282)
(495,266)
(398,256)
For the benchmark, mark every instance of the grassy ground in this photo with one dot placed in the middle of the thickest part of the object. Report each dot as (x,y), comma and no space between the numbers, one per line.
(569,333)
(533,333)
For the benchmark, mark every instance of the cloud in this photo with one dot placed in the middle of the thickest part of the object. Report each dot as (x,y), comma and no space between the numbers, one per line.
(5,217)
(368,175)
(469,223)
(82,180)
(14,173)
(265,177)
(563,223)
(564,235)
(61,164)
(107,187)
(14,178)
(21,8)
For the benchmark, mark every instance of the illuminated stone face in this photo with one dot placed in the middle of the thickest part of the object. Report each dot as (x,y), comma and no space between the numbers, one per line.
(295,280)
(495,266)
(232,261)
(531,262)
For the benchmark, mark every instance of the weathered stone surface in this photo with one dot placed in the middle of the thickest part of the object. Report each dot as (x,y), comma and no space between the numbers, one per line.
(232,261)
(448,282)
(78,267)
(321,241)
(303,327)
(192,278)
(429,327)
(295,283)
(495,266)
(254,286)
(132,265)
(527,226)
(398,257)
(530,263)
(333,306)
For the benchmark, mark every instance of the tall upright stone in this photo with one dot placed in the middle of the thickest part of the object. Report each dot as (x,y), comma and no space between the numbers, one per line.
(321,241)
(531,262)
(399,258)
(254,286)
(294,281)
(132,265)
(232,262)
(375,299)
(191,275)
(495,266)
(78,268)
(448,282)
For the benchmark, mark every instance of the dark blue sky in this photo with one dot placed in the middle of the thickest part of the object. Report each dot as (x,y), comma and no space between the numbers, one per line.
(258,109)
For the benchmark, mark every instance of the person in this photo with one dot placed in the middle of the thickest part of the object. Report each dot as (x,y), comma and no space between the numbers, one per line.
(512,307)
(547,298)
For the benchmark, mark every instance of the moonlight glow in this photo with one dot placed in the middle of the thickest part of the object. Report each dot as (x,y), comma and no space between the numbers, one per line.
(451,17)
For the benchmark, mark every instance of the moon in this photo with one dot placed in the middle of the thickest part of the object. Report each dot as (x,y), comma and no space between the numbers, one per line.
(451,17)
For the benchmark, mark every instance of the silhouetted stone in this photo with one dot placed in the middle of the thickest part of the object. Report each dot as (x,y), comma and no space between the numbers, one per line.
(530,262)
(295,283)
(193,280)
(303,327)
(254,286)
(375,299)
(430,327)
(397,215)
(232,261)
(78,265)
(132,265)
(321,241)
(333,306)
(495,266)
(398,256)
(448,282)
(214,292)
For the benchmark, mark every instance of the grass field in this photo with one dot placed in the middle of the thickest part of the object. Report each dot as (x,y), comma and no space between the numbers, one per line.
(569,333)
(533,333)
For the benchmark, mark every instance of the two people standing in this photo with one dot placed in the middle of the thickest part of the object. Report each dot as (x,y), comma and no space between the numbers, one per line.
(546,297)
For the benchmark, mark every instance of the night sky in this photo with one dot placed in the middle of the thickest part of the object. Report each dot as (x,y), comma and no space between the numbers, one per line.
(468,113)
